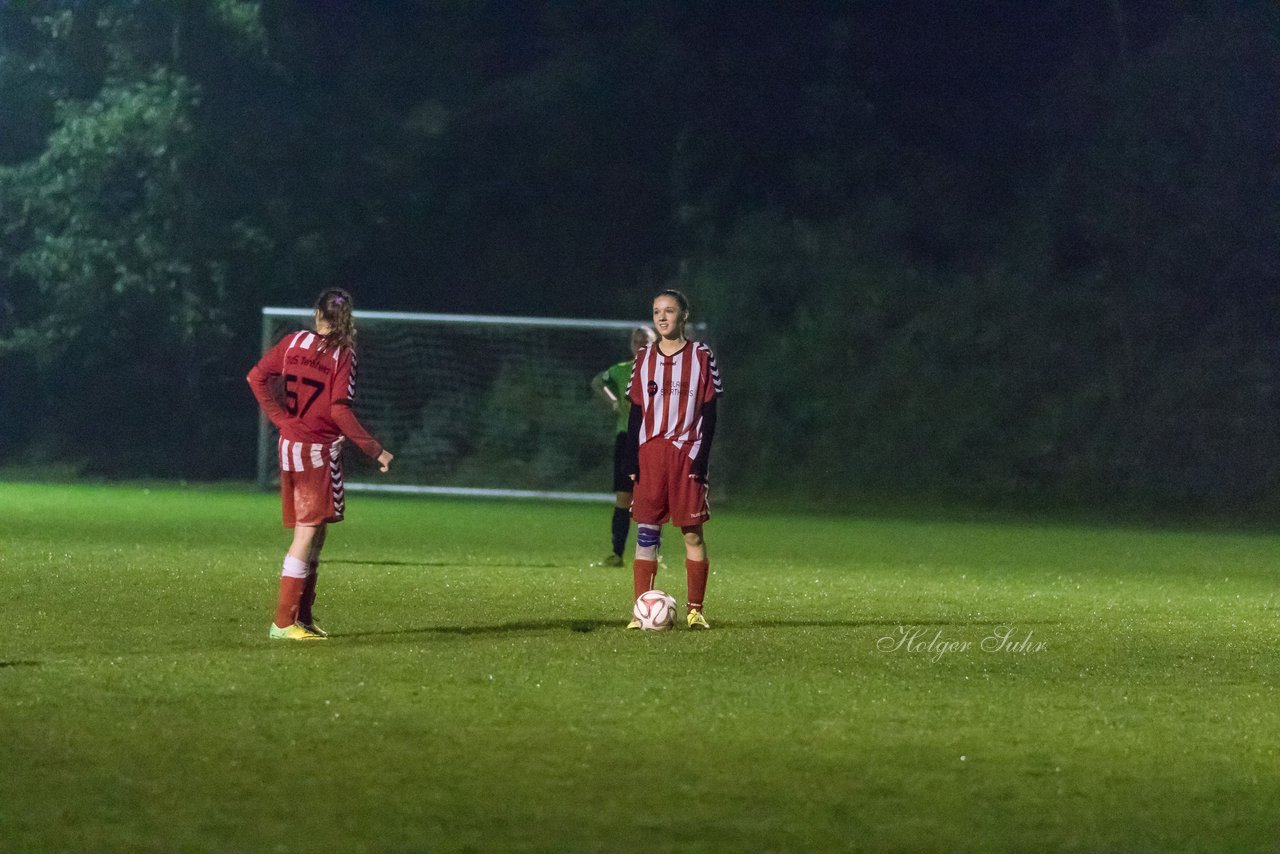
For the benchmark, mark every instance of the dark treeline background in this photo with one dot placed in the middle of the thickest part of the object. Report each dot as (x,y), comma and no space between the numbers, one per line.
(989,251)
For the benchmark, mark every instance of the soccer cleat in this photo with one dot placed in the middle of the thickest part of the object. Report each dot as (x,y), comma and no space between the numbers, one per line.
(696,620)
(611,560)
(294,632)
(312,628)
(634,624)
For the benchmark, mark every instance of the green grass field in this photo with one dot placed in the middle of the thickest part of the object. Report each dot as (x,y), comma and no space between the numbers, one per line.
(479,692)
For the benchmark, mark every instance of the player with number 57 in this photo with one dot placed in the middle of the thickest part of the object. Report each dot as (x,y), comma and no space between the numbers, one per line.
(306,384)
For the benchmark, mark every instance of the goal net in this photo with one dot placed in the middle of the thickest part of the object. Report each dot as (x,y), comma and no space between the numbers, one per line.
(475,404)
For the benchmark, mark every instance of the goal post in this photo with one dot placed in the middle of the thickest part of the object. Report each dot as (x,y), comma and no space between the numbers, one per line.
(475,405)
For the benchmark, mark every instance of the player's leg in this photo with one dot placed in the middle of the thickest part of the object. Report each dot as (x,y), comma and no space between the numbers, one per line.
(649,509)
(621,524)
(644,567)
(648,541)
(689,509)
(306,617)
(696,567)
(293,579)
(308,501)
(327,503)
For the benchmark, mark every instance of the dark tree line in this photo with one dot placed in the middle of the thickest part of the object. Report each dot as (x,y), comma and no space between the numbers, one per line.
(981,250)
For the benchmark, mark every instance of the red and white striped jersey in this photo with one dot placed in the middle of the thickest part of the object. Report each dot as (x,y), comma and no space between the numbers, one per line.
(671,390)
(307,392)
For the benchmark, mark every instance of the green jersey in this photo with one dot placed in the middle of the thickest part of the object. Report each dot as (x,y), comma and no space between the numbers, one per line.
(616,379)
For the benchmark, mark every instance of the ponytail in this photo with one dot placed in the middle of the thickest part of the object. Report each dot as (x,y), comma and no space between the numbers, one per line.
(335,307)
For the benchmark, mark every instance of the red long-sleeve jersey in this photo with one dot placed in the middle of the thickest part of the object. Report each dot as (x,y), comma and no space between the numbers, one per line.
(307,392)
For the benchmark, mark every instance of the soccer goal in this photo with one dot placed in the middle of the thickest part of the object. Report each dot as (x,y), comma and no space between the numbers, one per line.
(475,404)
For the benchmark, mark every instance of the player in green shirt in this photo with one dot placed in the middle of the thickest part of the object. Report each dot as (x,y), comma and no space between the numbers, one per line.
(611,386)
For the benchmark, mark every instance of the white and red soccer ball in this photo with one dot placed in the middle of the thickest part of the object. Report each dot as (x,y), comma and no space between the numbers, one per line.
(655,610)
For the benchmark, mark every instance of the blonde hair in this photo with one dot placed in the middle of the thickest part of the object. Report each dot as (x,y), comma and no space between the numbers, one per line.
(645,332)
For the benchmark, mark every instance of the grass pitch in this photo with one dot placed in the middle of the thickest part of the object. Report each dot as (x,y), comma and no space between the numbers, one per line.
(868,684)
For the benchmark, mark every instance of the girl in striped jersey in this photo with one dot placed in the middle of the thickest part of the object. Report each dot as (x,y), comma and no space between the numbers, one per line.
(305,385)
(674,386)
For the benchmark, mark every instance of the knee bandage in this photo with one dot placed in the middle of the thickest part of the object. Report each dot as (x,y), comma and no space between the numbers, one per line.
(648,540)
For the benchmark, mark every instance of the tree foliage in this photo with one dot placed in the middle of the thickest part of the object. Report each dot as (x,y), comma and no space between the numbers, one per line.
(1114,341)
(944,247)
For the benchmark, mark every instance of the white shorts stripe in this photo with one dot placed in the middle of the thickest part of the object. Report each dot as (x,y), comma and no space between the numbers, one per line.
(305,456)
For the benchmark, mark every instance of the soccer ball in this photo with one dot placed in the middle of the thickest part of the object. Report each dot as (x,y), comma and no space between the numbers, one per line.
(655,610)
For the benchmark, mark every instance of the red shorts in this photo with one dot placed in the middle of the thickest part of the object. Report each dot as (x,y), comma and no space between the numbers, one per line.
(665,491)
(314,495)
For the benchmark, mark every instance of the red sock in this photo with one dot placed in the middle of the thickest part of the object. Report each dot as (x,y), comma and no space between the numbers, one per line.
(642,575)
(696,572)
(308,594)
(290,597)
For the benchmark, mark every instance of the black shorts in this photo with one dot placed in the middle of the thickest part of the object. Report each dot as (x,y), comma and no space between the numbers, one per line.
(621,482)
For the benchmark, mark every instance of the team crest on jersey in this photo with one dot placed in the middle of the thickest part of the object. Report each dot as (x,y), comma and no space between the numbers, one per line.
(652,388)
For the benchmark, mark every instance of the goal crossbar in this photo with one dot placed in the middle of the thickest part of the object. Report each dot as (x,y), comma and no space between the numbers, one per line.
(437,367)
(489,319)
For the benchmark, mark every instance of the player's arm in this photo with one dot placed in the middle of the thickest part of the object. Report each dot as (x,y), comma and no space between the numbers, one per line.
(340,411)
(354,430)
(635,418)
(601,387)
(698,470)
(262,378)
(631,457)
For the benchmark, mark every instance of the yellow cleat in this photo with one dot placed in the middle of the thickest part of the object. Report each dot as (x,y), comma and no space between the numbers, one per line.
(313,629)
(634,624)
(696,620)
(294,633)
